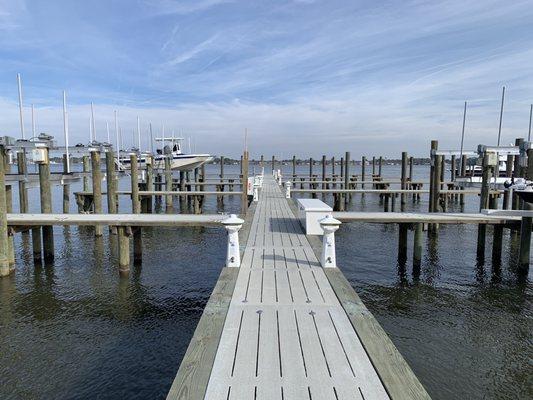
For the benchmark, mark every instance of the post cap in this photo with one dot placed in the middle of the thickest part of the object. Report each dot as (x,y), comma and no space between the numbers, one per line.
(329,221)
(232,220)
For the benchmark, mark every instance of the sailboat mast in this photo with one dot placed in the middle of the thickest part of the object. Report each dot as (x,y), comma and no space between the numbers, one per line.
(19,83)
(32,121)
(530,115)
(93,125)
(151,139)
(139,132)
(501,116)
(463,132)
(116,134)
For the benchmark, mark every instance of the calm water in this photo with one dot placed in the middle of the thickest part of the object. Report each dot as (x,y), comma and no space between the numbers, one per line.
(77,330)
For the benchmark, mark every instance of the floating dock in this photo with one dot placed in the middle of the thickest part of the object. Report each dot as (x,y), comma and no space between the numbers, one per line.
(283,327)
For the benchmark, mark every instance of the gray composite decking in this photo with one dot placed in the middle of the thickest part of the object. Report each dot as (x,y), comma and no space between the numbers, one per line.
(286,336)
(282,327)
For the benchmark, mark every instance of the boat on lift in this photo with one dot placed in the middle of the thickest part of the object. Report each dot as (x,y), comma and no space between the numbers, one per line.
(171,146)
(522,187)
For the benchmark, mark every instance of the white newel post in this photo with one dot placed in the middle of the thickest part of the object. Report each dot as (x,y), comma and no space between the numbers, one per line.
(256,192)
(233,224)
(279,177)
(329,225)
(288,189)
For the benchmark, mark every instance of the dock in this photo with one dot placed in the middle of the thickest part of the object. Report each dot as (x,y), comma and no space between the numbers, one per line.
(283,327)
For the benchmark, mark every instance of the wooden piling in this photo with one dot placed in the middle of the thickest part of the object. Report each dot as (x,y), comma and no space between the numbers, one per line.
(134,174)
(97,188)
(403,180)
(346,176)
(380,165)
(168,183)
(293,167)
(182,189)
(149,163)
(517,174)
(5,269)
(363,169)
(434,146)
(23,191)
(111,185)
(508,173)
(310,173)
(66,187)
(85,164)
(525,226)
(46,208)
(323,172)
(437,183)
(273,163)
(9,209)
(483,203)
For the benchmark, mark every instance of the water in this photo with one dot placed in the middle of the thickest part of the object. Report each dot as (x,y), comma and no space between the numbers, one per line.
(78,331)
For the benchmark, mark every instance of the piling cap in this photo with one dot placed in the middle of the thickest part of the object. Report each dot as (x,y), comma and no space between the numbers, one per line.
(329,221)
(232,220)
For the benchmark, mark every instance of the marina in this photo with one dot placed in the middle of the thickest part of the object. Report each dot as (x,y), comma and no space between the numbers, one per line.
(282,295)
(282,200)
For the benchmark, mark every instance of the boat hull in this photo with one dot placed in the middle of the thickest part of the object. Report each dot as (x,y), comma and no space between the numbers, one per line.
(178,163)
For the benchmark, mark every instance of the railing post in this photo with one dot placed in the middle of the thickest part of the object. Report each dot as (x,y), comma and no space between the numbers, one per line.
(329,226)
(288,189)
(233,224)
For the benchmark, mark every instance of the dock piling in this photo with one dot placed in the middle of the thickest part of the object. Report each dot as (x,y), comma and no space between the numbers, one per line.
(5,269)
(46,203)
(97,188)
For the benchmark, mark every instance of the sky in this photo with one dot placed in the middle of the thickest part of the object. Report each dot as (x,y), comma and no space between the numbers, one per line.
(304,77)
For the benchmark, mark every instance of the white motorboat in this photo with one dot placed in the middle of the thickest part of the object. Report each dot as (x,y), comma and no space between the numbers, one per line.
(178,160)
(522,187)
(474,175)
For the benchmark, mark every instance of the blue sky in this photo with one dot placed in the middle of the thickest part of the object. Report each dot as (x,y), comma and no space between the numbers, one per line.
(306,77)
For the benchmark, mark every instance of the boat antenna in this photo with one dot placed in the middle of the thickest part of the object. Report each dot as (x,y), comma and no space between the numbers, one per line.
(93,125)
(90,128)
(463,131)
(530,115)
(139,132)
(32,121)
(65,128)
(245,139)
(107,129)
(19,83)
(116,134)
(501,116)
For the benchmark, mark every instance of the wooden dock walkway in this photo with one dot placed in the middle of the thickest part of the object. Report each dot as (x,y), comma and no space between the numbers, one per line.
(288,329)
